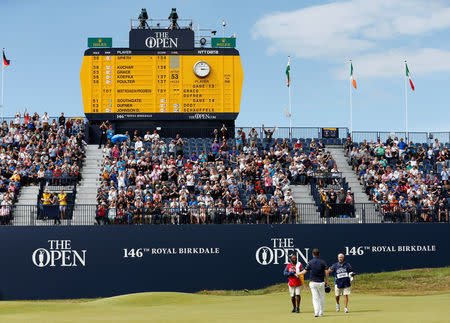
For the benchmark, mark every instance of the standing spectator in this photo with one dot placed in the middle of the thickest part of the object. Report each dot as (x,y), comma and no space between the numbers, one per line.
(253,135)
(69,127)
(109,132)
(17,119)
(224,132)
(401,147)
(103,131)
(179,146)
(239,141)
(445,174)
(243,135)
(62,199)
(62,120)
(26,117)
(215,135)
(4,213)
(224,148)
(45,121)
(436,147)
(268,136)
(341,196)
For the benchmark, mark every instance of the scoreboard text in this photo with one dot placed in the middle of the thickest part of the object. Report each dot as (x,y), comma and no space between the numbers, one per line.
(160,84)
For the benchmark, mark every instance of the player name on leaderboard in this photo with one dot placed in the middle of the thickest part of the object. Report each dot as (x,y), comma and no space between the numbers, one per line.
(137,83)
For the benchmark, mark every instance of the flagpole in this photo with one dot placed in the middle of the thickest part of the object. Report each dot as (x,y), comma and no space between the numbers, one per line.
(290,113)
(406,108)
(290,102)
(351,107)
(3,79)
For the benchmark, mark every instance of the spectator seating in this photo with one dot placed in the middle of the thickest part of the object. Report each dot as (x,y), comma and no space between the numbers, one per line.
(33,149)
(198,180)
(409,182)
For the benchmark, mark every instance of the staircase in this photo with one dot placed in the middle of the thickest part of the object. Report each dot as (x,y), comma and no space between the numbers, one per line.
(25,209)
(85,201)
(355,185)
(307,210)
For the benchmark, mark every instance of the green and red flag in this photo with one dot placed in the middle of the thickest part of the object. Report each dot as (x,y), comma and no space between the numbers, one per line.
(408,75)
(288,71)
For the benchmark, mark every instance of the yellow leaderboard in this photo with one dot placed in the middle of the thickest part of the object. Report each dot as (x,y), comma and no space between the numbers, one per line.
(161,87)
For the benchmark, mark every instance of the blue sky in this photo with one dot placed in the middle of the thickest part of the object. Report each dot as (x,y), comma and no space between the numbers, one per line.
(45,41)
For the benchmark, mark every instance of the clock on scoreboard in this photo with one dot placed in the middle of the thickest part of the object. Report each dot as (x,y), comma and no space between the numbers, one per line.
(161,85)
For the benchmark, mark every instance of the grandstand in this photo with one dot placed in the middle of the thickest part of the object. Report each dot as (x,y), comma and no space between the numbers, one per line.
(256,175)
(38,155)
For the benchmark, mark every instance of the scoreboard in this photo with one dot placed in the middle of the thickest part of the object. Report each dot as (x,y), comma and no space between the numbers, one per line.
(161,85)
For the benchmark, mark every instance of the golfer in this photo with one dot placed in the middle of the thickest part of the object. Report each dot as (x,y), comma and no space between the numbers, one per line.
(295,282)
(317,281)
(343,273)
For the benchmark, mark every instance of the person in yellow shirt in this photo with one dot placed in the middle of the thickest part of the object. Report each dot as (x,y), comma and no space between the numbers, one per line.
(62,198)
(266,212)
(15,177)
(46,198)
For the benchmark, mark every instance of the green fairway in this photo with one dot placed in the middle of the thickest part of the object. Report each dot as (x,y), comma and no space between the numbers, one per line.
(178,307)
(417,295)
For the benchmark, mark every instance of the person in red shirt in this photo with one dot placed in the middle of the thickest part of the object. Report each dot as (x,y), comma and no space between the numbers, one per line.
(298,146)
(295,282)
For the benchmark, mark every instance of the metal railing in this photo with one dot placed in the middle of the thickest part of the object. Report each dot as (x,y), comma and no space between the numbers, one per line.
(415,137)
(303,132)
(161,23)
(303,213)
(279,133)
(308,133)
(299,132)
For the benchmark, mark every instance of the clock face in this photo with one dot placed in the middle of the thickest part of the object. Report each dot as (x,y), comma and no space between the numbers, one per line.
(202,69)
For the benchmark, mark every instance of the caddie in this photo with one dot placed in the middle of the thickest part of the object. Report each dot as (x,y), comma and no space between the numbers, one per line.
(343,274)
(295,282)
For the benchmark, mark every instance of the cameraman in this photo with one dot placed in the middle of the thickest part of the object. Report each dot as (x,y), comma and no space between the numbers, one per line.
(143,16)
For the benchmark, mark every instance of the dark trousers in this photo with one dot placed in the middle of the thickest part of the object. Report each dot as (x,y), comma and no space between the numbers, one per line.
(102,140)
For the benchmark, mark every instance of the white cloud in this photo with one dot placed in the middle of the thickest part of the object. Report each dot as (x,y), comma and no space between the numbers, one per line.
(365,29)
(390,63)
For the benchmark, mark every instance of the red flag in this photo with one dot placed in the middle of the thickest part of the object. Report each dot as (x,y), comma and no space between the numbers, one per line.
(6,61)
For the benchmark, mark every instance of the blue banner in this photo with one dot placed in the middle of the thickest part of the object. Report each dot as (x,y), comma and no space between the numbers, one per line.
(100,261)
(162,39)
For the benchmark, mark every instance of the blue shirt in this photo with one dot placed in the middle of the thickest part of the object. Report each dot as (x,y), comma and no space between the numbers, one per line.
(341,273)
(110,133)
(316,267)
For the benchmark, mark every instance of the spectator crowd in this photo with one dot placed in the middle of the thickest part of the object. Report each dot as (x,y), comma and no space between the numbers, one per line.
(33,148)
(205,180)
(409,182)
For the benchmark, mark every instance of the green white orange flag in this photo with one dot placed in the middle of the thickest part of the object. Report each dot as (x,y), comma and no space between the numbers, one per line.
(408,75)
(288,72)
(352,79)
